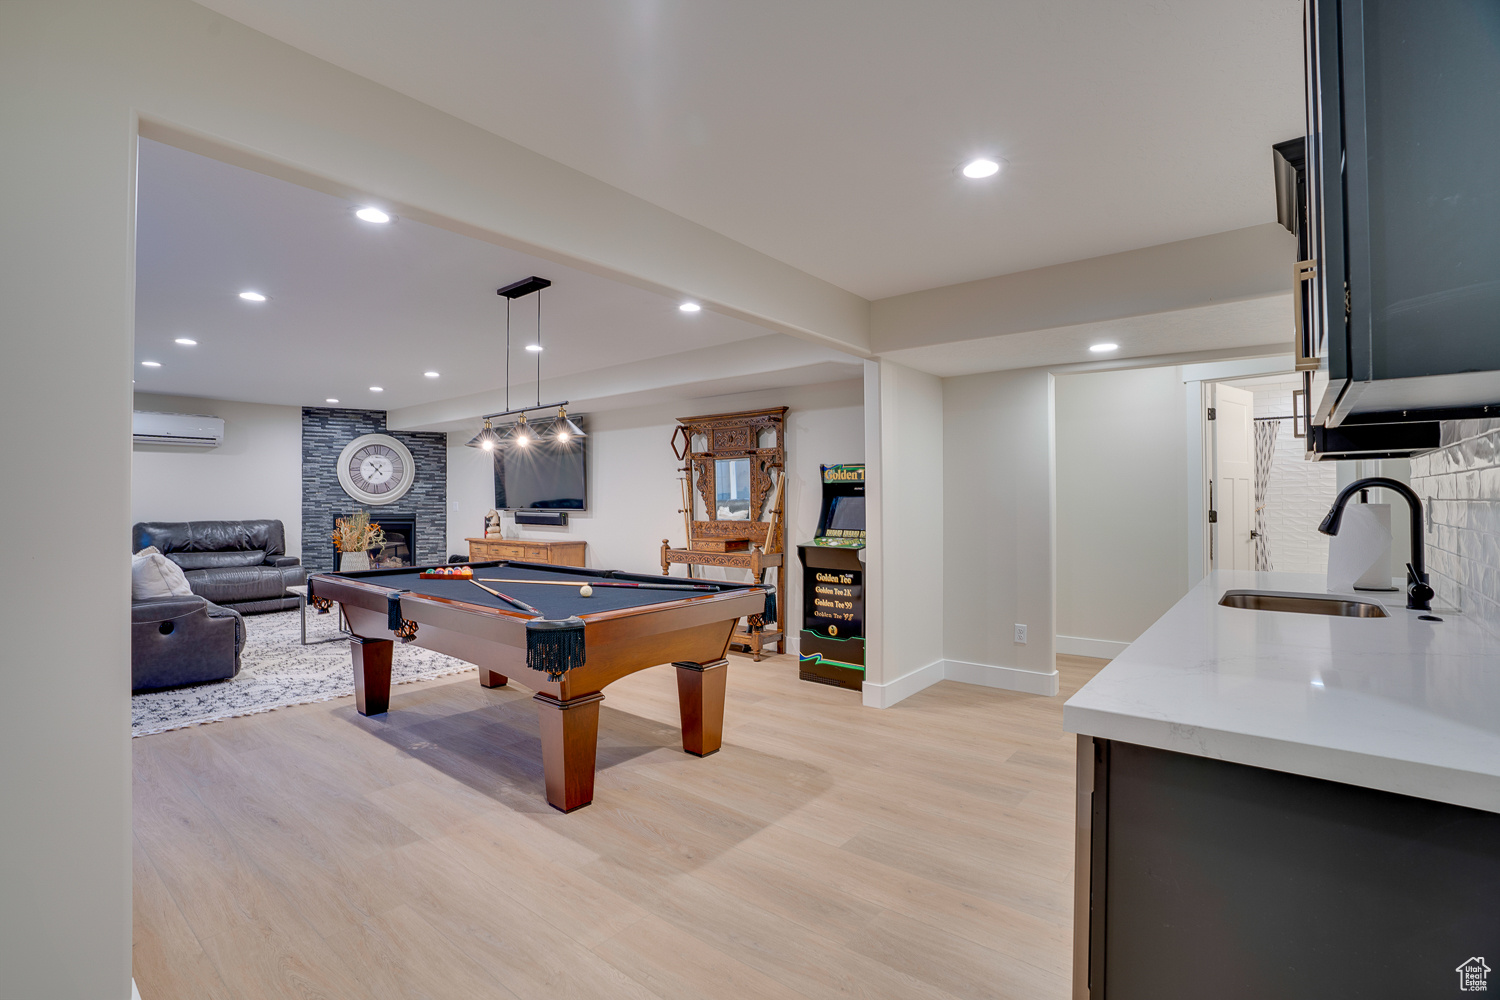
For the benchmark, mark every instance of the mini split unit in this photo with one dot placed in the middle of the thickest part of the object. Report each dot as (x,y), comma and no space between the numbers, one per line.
(184,430)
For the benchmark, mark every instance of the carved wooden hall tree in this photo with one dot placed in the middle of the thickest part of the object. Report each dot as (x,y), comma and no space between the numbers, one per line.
(734,490)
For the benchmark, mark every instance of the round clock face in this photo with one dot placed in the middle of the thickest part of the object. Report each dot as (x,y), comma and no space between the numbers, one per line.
(376,469)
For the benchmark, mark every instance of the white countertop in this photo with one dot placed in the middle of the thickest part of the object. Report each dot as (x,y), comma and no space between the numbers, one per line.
(1392,703)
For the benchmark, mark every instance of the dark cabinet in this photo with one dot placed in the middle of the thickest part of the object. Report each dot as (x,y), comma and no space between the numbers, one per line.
(1197,877)
(1401,208)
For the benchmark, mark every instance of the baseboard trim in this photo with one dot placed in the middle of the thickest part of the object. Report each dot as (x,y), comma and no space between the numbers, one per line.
(1006,678)
(887,694)
(983,674)
(1104,649)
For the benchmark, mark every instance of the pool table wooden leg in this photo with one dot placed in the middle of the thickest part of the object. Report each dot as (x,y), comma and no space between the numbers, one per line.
(372,674)
(700,698)
(490,679)
(570,737)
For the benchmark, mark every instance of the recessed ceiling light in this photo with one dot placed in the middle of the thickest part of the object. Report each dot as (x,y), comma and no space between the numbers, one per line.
(151,364)
(371,214)
(690,307)
(252,296)
(376,388)
(1103,348)
(187,341)
(431,374)
(533,347)
(330,400)
(981,168)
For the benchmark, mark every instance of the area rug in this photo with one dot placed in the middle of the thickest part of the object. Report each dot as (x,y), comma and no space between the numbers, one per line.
(276,671)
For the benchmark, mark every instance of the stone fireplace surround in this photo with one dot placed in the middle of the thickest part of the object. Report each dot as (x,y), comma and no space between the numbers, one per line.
(325,432)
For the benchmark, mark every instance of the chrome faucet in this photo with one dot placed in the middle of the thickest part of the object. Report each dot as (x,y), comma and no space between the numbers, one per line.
(1418,592)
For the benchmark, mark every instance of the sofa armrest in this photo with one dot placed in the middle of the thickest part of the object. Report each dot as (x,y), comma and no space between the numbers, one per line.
(216,611)
(283,561)
(161,609)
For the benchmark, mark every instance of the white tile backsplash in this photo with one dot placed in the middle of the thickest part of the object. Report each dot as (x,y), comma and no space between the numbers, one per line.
(1460,486)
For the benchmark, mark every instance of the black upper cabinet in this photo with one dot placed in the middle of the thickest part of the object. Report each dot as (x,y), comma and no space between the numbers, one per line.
(1403,208)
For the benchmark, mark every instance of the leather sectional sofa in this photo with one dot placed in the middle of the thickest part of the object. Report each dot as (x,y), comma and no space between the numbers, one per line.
(240,565)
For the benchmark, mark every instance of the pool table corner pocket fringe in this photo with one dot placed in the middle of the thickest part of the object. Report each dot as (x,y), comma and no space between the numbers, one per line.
(555,646)
(404,629)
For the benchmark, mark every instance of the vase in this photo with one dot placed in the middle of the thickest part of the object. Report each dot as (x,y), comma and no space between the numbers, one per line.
(350,561)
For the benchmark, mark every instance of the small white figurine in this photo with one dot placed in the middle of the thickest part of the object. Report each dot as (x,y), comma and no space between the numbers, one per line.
(492,525)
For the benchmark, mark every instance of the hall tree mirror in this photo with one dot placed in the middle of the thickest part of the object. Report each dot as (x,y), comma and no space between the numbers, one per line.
(732,489)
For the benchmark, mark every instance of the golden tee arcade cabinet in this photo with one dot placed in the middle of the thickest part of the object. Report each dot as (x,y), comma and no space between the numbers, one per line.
(831,647)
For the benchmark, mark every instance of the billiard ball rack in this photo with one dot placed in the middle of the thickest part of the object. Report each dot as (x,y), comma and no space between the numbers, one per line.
(447,573)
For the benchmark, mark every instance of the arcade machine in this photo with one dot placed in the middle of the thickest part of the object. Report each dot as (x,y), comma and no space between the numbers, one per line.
(832,643)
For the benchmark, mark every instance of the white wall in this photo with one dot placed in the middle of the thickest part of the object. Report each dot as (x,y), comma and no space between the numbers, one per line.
(634,494)
(1121,508)
(904,572)
(255,473)
(66,282)
(998,484)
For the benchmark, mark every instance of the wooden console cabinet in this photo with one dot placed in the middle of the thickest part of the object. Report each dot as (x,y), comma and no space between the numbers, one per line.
(526,550)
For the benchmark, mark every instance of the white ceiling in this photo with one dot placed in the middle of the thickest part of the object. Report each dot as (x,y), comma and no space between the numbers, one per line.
(354,305)
(827,134)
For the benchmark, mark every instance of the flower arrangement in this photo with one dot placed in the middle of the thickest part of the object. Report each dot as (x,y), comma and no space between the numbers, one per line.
(357,533)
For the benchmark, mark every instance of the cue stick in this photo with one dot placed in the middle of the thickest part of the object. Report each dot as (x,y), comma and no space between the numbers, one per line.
(775,513)
(687,506)
(509,600)
(605,583)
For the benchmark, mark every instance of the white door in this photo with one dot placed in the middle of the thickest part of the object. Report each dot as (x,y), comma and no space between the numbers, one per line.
(1234,477)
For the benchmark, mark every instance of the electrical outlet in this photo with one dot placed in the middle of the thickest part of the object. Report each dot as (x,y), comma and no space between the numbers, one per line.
(1021,634)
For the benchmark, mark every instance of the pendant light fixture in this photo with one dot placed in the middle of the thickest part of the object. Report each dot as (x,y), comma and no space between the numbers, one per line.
(522,433)
(522,436)
(486,439)
(564,430)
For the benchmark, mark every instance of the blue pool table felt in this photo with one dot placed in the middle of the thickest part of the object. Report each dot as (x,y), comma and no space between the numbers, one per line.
(552,602)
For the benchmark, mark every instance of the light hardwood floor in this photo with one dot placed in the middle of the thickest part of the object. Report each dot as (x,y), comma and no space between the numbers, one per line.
(925,851)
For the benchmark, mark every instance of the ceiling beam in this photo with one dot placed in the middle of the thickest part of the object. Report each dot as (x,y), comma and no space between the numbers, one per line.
(745,364)
(1225,267)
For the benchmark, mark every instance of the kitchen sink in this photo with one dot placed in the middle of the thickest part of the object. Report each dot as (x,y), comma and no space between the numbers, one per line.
(1306,604)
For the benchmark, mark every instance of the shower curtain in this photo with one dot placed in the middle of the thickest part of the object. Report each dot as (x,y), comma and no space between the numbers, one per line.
(1265,447)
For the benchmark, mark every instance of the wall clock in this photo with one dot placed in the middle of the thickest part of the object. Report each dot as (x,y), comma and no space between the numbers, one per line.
(376,469)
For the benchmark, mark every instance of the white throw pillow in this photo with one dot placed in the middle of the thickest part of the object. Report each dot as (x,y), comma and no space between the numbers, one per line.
(153,575)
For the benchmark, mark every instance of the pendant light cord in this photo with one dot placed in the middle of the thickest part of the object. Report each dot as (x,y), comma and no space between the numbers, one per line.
(507,354)
(539,345)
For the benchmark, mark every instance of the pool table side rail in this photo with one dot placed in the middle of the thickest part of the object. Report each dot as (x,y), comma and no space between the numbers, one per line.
(579,571)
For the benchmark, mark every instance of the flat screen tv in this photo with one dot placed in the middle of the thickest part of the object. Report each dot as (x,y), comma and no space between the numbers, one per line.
(544,476)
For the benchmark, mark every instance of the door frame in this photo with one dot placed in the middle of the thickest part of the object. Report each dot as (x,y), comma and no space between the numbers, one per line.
(1199,378)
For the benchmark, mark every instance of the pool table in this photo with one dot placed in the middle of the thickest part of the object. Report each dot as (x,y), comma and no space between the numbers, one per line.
(625,630)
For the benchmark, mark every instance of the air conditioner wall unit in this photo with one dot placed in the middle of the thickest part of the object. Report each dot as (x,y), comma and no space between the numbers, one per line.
(183,430)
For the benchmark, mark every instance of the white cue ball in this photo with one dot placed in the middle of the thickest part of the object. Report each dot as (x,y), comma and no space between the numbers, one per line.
(585,591)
